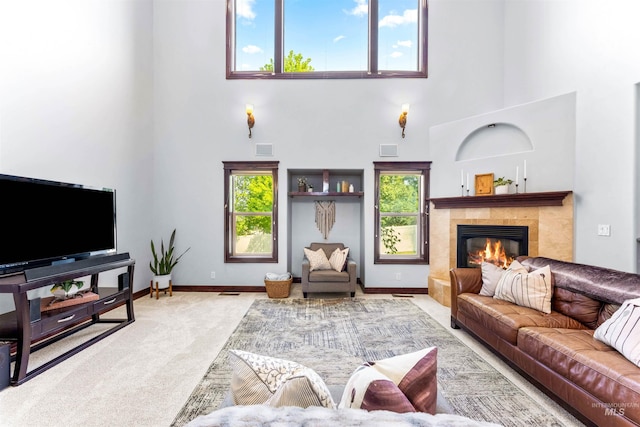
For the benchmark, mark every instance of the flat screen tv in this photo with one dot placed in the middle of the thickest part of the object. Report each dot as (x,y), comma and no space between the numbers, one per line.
(44,222)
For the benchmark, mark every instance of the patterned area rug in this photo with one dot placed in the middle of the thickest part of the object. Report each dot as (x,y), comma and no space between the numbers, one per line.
(334,336)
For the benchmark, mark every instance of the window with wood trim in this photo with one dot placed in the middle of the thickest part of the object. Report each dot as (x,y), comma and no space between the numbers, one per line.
(251,212)
(321,39)
(401,212)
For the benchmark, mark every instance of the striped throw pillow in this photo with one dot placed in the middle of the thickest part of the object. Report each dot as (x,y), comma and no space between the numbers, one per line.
(263,380)
(622,330)
(533,290)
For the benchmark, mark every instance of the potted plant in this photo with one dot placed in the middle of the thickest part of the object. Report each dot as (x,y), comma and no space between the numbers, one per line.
(302,184)
(502,185)
(163,262)
(66,289)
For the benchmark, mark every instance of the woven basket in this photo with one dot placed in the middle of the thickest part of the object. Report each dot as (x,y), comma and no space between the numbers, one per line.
(278,288)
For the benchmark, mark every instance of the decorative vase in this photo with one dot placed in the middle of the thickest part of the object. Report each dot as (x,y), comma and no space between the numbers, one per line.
(502,189)
(302,188)
(162,281)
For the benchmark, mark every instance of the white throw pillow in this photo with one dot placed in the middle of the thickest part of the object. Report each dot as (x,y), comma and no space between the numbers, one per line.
(491,275)
(317,259)
(275,382)
(622,330)
(338,259)
(533,290)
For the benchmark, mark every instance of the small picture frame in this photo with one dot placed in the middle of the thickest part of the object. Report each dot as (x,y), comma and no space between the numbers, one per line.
(484,184)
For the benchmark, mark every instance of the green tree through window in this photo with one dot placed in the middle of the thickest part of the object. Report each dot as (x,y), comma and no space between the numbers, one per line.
(292,63)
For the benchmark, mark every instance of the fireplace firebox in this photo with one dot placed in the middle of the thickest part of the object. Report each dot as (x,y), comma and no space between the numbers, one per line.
(498,244)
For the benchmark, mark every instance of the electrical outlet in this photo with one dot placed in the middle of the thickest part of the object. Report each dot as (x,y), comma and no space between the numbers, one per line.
(398,276)
(604,230)
(213,274)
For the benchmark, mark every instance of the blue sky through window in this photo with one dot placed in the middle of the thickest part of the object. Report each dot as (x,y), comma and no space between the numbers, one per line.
(333,33)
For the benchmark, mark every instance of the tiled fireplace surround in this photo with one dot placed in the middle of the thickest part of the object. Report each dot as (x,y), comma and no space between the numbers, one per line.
(549,217)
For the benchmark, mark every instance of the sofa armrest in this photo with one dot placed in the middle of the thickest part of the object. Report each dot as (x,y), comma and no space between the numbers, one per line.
(353,275)
(305,271)
(463,280)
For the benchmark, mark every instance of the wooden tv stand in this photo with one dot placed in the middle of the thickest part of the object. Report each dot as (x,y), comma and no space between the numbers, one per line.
(33,329)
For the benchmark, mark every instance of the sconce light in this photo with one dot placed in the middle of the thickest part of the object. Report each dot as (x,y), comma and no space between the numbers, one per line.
(250,119)
(403,117)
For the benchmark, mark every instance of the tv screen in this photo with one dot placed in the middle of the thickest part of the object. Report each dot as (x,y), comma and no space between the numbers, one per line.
(45,221)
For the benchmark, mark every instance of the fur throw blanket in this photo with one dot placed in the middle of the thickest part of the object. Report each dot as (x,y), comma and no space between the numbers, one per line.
(315,416)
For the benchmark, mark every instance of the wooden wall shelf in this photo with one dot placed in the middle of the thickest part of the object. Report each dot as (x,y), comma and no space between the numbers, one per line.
(553,198)
(324,195)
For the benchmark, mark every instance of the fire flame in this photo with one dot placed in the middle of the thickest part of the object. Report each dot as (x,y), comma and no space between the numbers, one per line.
(493,253)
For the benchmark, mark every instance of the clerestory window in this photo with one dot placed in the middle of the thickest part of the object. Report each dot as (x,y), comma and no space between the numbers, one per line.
(251,211)
(401,212)
(307,39)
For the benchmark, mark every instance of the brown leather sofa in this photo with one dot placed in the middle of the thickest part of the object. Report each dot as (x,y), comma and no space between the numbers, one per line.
(557,351)
(329,280)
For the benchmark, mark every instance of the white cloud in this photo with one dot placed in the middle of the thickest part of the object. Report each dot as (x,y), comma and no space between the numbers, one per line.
(250,49)
(408,17)
(337,39)
(405,43)
(244,8)
(396,54)
(361,9)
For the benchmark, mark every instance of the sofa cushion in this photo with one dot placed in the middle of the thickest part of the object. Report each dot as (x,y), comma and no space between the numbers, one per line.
(622,331)
(258,379)
(328,276)
(582,308)
(533,290)
(587,362)
(317,259)
(505,318)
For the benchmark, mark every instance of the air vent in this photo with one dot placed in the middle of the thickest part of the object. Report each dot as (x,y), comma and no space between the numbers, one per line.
(388,150)
(264,150)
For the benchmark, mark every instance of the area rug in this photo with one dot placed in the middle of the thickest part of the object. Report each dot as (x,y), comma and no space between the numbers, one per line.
(334,336)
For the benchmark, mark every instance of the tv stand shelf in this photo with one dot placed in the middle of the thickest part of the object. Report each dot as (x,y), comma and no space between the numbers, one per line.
(32,329)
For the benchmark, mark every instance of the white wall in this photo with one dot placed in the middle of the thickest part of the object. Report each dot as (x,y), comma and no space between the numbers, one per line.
(313,124)
(587,46)
(76,104)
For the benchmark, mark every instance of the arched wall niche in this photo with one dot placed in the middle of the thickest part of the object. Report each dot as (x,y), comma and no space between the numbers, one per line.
(494,139)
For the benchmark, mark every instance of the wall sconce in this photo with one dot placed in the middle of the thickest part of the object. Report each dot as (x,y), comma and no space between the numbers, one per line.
(403,117)
(250,119)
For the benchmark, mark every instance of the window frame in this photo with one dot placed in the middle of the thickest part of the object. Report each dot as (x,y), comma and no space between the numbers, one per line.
(422,168)
(249,166)
(278,56)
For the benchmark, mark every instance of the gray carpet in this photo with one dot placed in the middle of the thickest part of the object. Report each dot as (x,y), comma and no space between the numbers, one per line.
(334,336)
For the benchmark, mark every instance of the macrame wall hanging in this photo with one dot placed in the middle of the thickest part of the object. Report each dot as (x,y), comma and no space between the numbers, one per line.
(325,216)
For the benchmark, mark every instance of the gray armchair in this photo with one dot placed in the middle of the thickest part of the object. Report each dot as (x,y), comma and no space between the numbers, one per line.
(328,280)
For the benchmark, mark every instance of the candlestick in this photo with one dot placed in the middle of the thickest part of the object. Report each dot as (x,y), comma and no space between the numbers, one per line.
(462,189)
(467,183)
(462,177)
(517,173)
(516,188)
(524,174)
(525,185)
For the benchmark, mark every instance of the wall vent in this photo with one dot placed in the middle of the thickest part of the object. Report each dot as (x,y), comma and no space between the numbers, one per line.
(388,150)
(264,150)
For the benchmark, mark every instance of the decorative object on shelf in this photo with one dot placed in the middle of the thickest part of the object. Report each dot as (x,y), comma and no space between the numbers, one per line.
(325,216)
(524,176)
(66,289)
(403,117)
(483,184)
(164,262)
(310,188)
(351,188)
(502,185)
(251,120)
(345,186)
(302,184)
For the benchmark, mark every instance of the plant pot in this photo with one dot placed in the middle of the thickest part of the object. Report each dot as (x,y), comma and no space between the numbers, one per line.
(502,189)
(162,281)
(302,188)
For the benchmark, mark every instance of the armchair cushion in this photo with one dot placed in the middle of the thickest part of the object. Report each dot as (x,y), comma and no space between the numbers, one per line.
(338,259)
(317,259)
